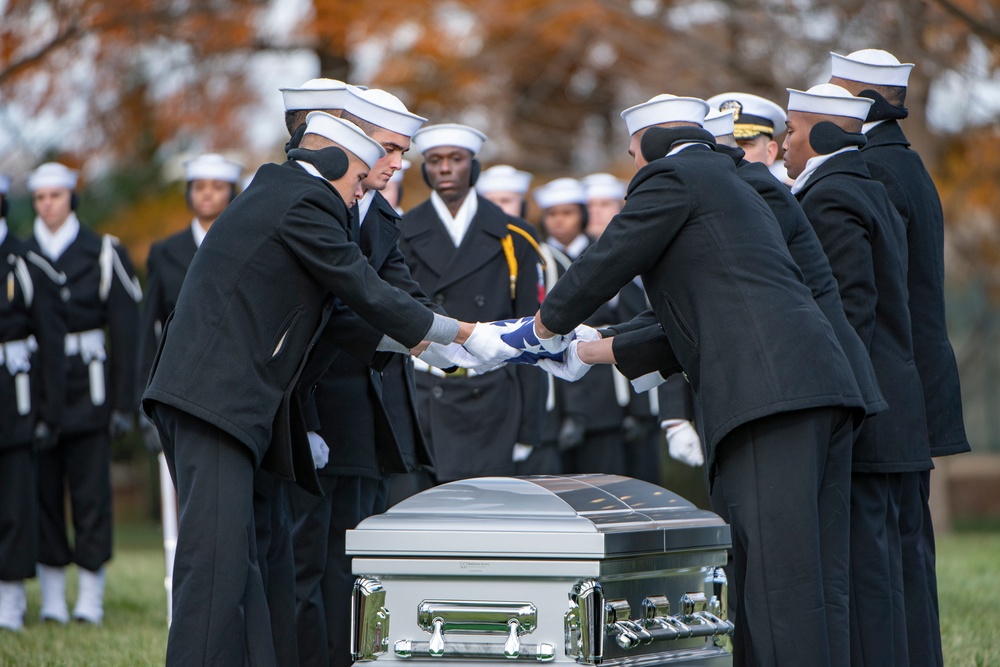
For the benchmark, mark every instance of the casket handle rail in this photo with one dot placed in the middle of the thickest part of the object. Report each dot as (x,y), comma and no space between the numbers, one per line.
(698,617)
(369,620)
(450,617)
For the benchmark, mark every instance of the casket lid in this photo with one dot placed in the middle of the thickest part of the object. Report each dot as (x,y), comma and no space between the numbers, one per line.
(572,516)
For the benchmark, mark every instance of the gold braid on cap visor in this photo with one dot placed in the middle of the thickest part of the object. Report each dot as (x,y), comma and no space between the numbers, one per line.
(749,131)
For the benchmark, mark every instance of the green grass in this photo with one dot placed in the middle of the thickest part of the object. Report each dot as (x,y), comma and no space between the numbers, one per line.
(135,614)
(134,631)
(969,593)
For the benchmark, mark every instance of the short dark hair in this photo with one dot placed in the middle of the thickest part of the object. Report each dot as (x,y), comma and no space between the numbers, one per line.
(366,126)
(894,95)
(297,117)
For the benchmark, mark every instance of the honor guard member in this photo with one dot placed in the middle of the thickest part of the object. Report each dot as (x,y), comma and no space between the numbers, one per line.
(482,265)
(32,382)
(101,297)
(777,394)
(506,187)
(879,75)
(605,199)
(865,241)
(367,417)
(808,253)
(756,123)
(254,301)
(587,424)
(210,184)
(393,193)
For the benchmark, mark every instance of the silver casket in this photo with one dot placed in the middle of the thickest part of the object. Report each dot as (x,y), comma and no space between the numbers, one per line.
(584,568)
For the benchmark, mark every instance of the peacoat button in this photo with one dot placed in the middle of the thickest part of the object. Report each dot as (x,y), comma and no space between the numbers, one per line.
(477,393)
(437,392)
(480,300)
(439,299)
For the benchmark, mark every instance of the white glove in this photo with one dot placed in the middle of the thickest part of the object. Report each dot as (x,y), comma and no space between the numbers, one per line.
(570,368)
(446,356)
(583,332)
(485,343)
(522,452)
(320,450)
(683,442)
(647,382)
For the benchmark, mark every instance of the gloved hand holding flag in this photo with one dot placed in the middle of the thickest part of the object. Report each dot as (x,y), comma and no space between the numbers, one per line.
(517,340)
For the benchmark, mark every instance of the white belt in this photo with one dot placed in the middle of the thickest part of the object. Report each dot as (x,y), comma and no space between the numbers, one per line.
(16,356)
(90,346)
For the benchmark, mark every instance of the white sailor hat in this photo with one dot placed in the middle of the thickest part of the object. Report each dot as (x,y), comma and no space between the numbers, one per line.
(347,135)
(873,66)
(664,109)
(754,115)
(53,175)
(397,176)
(603,186)
(4,184)
(315,94)
(721,123)
(212,167)
(503,178)
(828,99)
(384,109)
(449,134)
(560,191)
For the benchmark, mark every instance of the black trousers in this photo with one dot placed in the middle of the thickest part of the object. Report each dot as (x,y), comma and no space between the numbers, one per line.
(878,620)
(220,614)
(80,462)
(783,484)
(272,523)
(323,577)
(600,452)
(18,513)
(923,625)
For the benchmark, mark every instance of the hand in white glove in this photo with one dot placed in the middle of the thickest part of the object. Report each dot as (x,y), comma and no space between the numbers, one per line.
(522,452)
(486,344)
(320,450)
(683,442)
(522,335)
(446,356)
(583,332)
(570,368)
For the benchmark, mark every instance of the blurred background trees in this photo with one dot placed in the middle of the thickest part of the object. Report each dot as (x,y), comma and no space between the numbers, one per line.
(126,90)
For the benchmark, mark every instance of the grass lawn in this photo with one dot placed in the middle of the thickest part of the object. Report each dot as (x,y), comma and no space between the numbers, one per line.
(134,631)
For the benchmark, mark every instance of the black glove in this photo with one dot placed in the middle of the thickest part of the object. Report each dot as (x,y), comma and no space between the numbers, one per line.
(45,437)
(634,429)
(120,424)
(150,436)
(570,434)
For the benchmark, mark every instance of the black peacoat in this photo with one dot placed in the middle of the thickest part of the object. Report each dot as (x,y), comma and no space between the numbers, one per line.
(911,190)
(252,306)
(865,241)
(722,284)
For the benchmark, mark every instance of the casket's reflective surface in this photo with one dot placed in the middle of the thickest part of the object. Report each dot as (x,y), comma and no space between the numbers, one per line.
(583,568)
